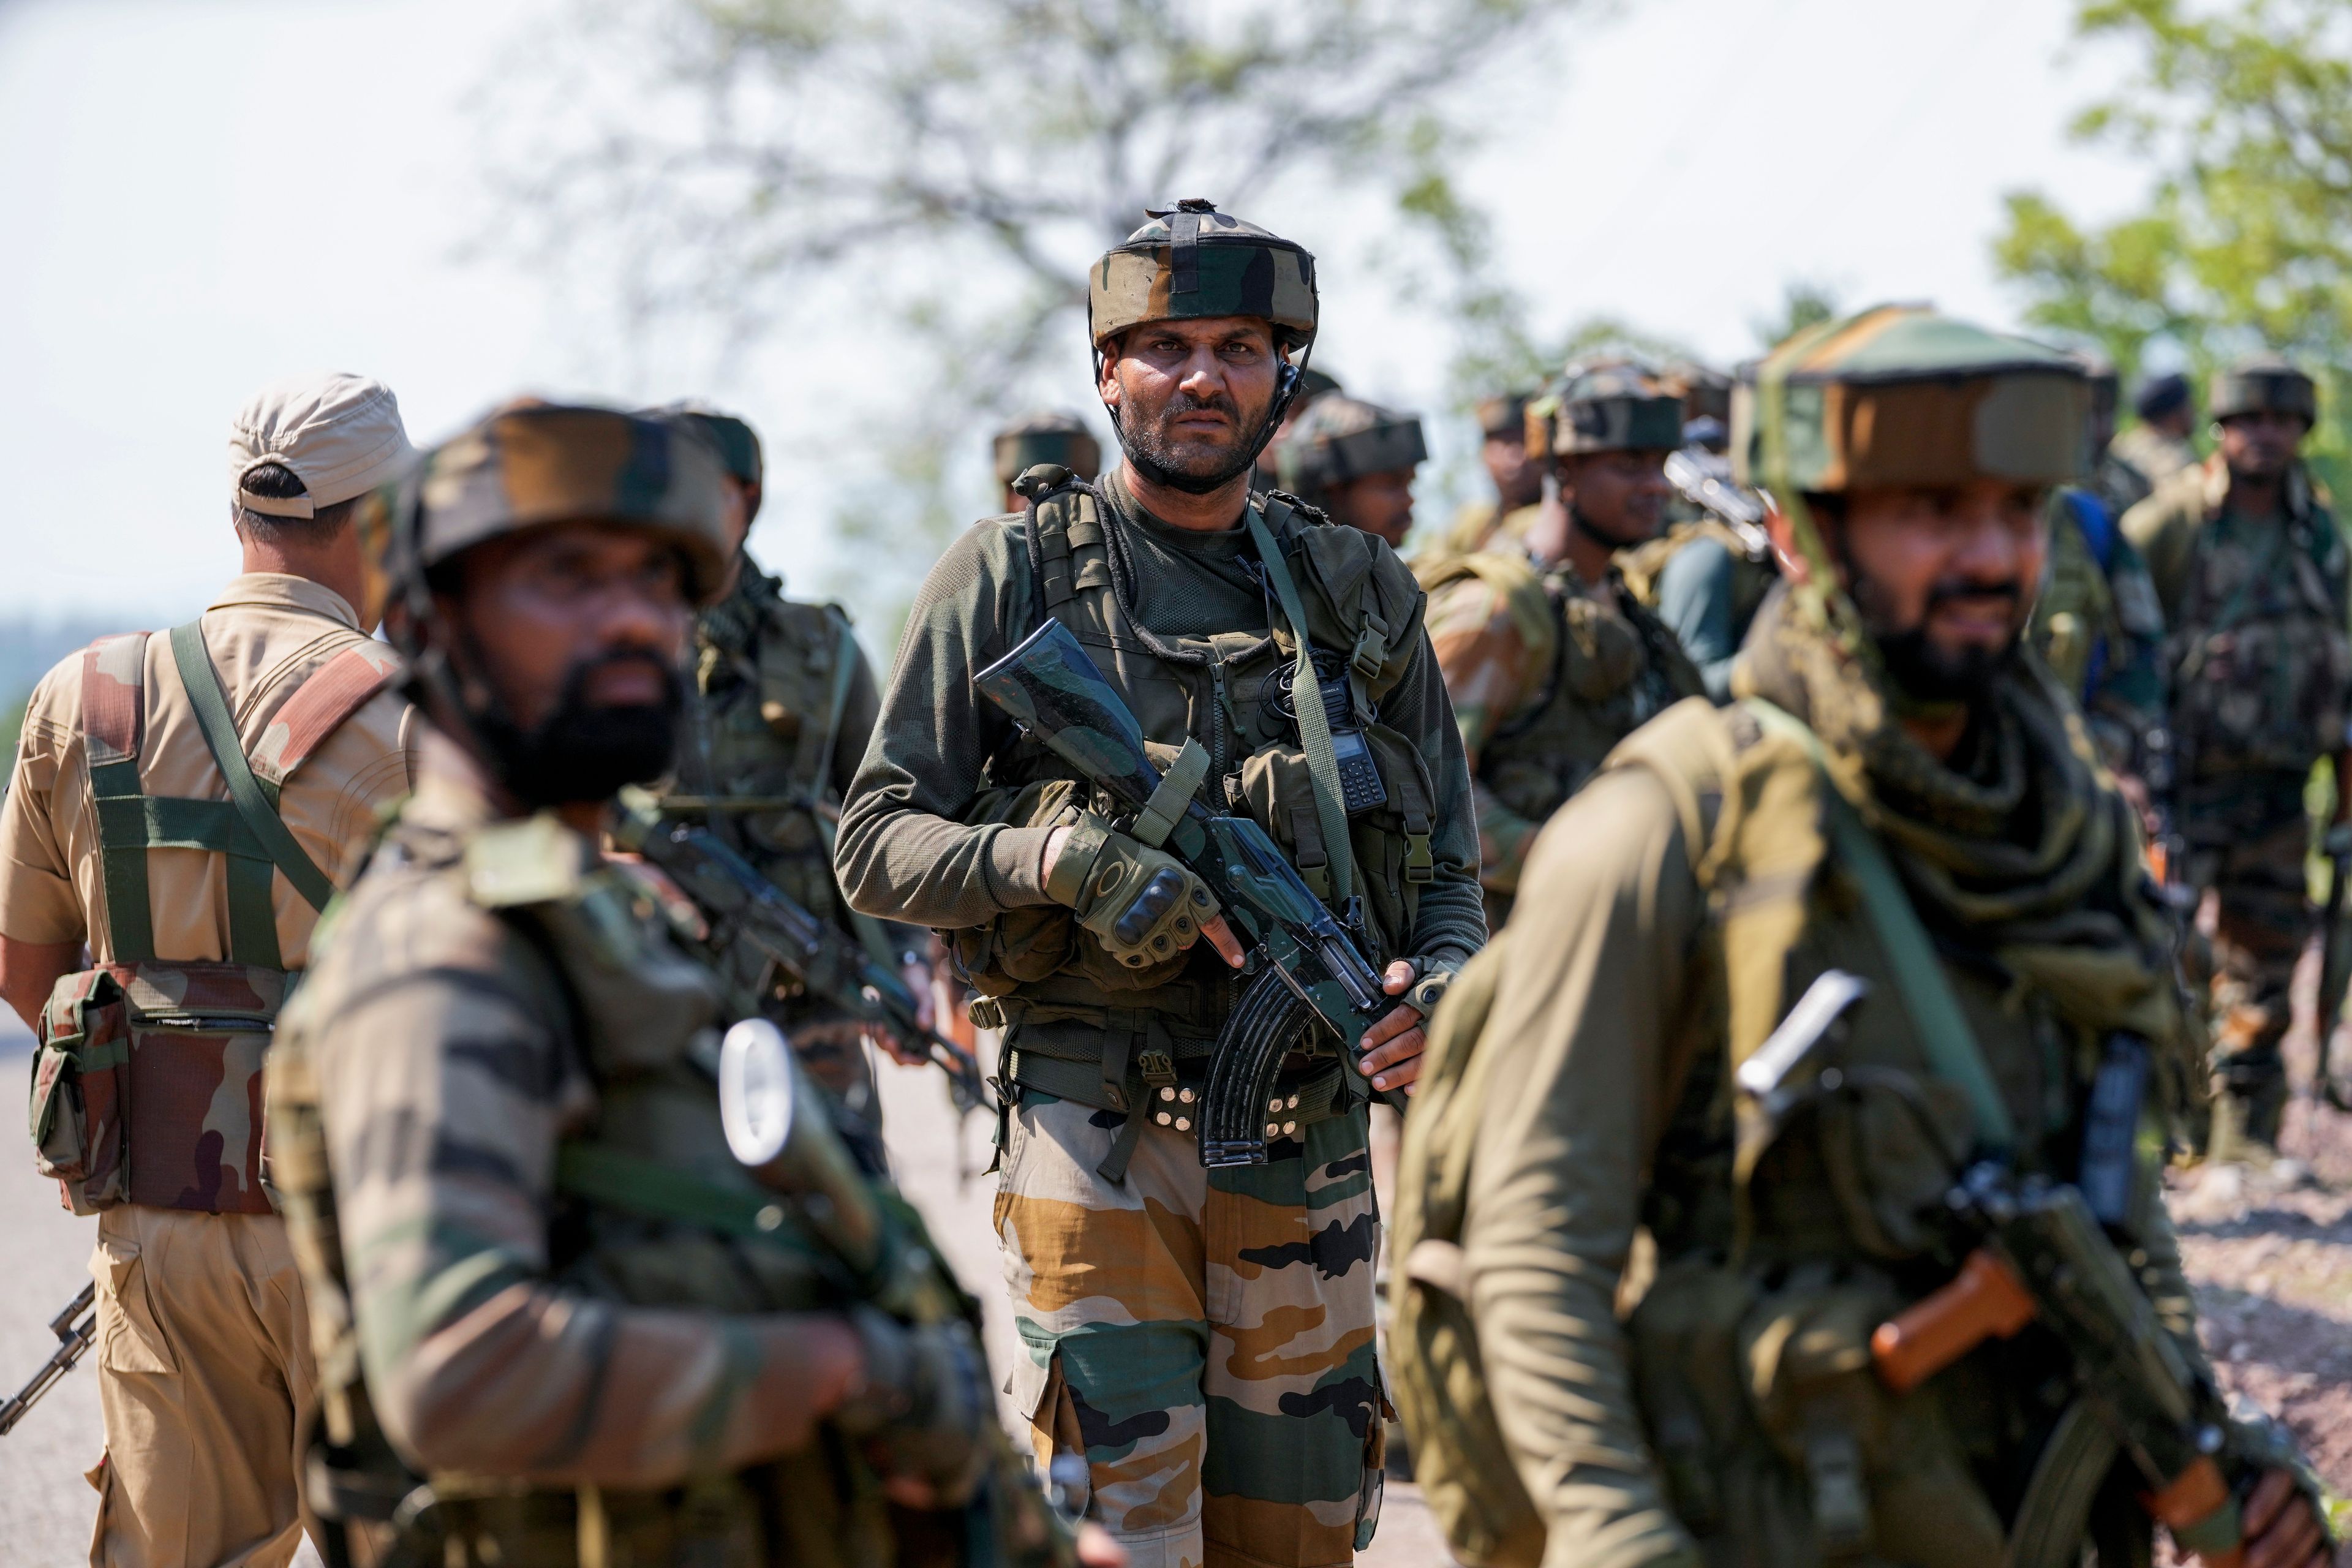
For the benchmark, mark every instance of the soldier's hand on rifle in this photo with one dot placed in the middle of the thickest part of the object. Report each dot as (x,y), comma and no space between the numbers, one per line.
(1143,904)
(2282,1529)
(1392,1047)
(923,1406)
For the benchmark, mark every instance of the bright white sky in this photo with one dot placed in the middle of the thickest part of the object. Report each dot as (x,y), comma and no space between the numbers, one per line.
(200,195)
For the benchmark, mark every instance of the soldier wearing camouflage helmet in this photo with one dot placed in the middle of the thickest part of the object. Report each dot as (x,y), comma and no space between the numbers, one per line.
(1548,659)
(1202,1339)
(1355,461)
(779,708)
(2250,569)
(1518,479)
(1784,978)
(1061,439)
(2155,449)
(557,1323)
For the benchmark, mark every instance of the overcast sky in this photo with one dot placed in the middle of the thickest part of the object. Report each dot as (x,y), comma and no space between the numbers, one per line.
(200,195)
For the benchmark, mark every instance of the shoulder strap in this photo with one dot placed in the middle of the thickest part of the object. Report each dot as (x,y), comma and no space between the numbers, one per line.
(114,722)
(334,691)
(256,805)
(1927,996)
(1313,724)
(2098,525)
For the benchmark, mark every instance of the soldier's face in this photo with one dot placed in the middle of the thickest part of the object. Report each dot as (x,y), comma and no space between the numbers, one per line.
(1944,577)
(2260,446)
(1620,495)
(578,631)
(1191,396)
(1379,504)
(1517,480)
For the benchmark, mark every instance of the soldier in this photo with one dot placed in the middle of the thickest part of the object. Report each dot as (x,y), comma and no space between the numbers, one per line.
(1355,461)
(781,705)
(2143,456)
(1897,770)
(2251,573)
(1204,1338)
(1314,386)
(1547,655)
(1517,480)
(1062,439)
(179,805)
(554,1327)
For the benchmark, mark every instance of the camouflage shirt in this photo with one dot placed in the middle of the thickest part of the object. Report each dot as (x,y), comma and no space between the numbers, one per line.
(2097,624)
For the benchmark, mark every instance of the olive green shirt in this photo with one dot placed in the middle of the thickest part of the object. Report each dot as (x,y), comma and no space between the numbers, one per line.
(905,851)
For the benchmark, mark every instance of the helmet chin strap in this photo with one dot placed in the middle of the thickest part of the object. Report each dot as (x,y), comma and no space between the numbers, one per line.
(1286,393)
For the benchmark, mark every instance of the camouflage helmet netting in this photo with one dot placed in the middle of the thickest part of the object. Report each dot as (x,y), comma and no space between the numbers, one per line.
(1196,263)
(527,465)
(1059,438)
(1340,438)
(2264,382)
(1903,395)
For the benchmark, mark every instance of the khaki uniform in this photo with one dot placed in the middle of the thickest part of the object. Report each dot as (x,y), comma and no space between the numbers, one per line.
(204,1359)
(1545,675)
(2260,668)
(1204,1338)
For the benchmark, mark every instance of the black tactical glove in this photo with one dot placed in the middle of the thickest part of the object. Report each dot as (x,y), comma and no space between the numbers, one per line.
(925,1402)
(1142,904)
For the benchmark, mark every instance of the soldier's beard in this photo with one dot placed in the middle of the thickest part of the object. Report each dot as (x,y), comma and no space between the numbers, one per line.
(1923,671)
(1151,453)
(583,750)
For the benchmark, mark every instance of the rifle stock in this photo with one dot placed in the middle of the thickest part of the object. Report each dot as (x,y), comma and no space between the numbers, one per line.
(1306,971)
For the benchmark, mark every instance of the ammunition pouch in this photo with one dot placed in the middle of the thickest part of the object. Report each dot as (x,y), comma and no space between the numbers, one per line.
(1389,840)
(146,1086)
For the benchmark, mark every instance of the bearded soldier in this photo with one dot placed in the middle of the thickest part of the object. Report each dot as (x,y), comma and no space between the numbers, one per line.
(1820,989)
(559,1323)
(780,707)
(1203,1339)
(181,804)
(1548,659)
(2250,569)
(1355,461)
(1061,439)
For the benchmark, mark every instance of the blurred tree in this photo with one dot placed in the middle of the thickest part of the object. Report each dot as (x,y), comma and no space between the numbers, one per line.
(2244,111)
(1804,303)
(955,165)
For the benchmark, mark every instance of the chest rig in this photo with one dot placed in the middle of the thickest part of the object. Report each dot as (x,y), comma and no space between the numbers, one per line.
(147,1087)
(1089,1023)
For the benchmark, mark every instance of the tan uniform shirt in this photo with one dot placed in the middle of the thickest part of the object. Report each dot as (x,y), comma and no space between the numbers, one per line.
(265,633)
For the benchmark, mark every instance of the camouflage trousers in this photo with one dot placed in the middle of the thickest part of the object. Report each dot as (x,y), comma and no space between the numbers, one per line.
(2251,862)
(1205,1339)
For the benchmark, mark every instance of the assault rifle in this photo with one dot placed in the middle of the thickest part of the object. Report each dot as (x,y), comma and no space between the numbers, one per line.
(1306,969)
(778,1131)
(744,908)
(76,1333)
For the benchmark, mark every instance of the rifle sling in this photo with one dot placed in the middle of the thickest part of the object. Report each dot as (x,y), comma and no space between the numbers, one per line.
(1936,1016)
(1313,724)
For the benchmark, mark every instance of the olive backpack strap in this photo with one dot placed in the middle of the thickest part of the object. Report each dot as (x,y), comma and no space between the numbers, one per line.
(256,803)
(1313,724)
(114,722)
(1936,1016)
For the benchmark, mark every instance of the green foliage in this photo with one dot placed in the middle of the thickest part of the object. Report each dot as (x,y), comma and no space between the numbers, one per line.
(2244,112)
(1803,304)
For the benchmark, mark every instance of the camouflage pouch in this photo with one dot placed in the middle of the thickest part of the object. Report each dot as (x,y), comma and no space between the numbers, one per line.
(1602,654)
(147,1086)
(1391,841)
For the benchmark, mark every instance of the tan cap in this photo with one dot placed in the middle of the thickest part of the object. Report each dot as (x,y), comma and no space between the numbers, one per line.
(339,433)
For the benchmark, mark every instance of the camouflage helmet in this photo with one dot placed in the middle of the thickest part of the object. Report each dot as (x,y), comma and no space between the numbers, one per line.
(527,464)
(1706,391)
(1606,406)
(1196,263)
(1504,416)
(1903,395)
(1340,438)
(2264,383)
(1059,438)
(731,436)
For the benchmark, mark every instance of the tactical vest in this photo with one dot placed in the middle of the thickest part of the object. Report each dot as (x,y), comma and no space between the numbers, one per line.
(1047,977)
(147,1085)
(2262,662)
(1609,670)
(1752,576)
(651,1210)
(1781,1241)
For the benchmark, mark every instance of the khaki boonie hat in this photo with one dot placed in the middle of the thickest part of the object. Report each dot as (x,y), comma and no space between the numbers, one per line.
(2266,382)
(1903,395)
(1062,439)
(339,433)
(1195,263)
(528,465)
